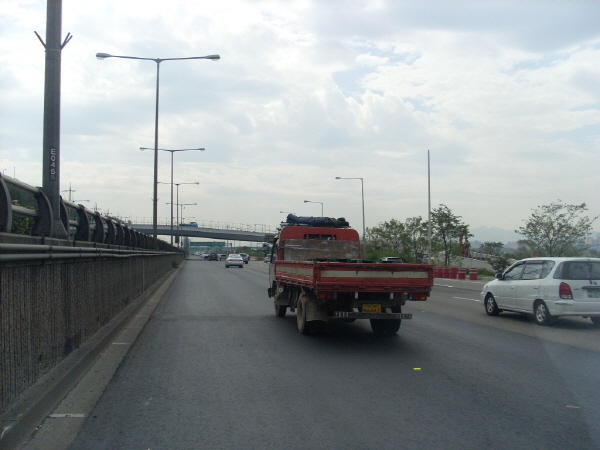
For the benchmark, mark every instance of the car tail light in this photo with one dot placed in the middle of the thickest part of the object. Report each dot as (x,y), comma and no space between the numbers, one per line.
(564,290)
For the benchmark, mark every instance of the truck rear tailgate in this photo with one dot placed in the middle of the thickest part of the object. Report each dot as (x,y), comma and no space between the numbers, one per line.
(356,276)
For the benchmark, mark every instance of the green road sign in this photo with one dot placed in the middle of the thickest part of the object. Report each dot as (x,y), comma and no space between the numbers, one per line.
(207,244)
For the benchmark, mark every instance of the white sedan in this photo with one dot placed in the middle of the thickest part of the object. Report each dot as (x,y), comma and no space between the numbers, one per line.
(234,260)
(547,288)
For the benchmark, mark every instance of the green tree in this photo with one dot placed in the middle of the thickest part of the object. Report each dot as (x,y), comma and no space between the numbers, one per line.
(389,236)
(557,229)
(21,224)
(492,248)
(449,230)
(417,237)
(407,239)
(497,261)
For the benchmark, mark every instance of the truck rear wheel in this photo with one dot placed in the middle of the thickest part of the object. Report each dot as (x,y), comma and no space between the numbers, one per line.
(280,310)
(387,326)
(304,327)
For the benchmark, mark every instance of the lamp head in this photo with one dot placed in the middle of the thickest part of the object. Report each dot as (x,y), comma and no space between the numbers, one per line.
(213,57)
(338,178)
(102,55)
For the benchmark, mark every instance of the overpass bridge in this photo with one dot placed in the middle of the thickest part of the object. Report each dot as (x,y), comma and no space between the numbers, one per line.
(211,233)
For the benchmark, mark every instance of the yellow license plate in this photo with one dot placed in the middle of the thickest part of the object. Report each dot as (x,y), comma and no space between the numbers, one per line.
(371,308)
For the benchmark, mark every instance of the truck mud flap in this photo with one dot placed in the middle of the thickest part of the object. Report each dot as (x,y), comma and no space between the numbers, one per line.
(361,315)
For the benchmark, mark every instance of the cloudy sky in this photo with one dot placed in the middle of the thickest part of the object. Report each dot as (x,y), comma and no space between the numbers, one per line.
(505,96)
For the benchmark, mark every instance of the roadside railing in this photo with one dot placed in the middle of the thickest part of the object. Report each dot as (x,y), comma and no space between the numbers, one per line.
(20,200)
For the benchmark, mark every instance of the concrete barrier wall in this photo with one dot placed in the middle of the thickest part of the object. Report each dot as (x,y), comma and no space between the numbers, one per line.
(49,308)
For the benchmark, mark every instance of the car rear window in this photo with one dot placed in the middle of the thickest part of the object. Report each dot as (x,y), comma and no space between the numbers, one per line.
(578,270)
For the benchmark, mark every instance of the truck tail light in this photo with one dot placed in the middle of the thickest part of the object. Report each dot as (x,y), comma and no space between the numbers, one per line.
(564,291)
(325,295)
(414,297)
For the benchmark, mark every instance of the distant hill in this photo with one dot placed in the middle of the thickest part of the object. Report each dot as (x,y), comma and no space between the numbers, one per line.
(494,234)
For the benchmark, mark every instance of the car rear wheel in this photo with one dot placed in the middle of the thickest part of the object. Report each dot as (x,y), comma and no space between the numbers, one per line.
(541,315)
(491,308)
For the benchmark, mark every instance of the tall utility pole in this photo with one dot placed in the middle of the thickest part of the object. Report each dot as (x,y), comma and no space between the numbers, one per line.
(51,139)
(429,251)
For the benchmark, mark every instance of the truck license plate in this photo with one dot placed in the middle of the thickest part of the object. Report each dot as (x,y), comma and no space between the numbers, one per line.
(371,308)
(593,293)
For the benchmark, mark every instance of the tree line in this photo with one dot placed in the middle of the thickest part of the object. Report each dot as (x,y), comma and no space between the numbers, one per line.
(557,229)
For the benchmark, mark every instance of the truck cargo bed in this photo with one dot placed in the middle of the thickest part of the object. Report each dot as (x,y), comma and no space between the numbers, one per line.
(355,276)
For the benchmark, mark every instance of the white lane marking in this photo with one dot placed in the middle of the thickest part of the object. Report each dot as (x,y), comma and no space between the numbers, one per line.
(444,285)
(68,416)
(470,299)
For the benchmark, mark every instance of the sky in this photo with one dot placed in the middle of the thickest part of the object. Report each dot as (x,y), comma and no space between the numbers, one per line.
(505,97)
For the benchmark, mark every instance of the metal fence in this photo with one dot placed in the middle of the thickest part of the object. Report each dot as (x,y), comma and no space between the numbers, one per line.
(20,200)
(56,293)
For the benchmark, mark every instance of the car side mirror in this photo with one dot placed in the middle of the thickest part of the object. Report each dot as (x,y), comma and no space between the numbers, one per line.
(499,276)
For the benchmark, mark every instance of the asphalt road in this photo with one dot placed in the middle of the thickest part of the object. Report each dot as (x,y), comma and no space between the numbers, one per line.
(215,369)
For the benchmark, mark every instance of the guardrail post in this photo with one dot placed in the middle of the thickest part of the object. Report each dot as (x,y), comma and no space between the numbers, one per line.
(83,230)
(43,223)
(98,235)
(5,208)
(126,236)
(111,233)
(120,237)
(64,216)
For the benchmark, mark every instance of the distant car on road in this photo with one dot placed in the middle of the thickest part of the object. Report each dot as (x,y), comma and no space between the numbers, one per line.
(548,288)
(245,257)
(213,257)
(222,256)
(191,224)
(392,259)
(234,260)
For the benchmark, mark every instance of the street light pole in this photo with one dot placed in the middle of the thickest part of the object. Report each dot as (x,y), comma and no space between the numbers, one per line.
(51,125)
(363,211)
(172,151)
(308,201)
(103,56)
(177,204)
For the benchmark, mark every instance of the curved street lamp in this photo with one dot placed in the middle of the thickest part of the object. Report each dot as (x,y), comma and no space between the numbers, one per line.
(102,56)
(172,151)
(308,201)
(363,211)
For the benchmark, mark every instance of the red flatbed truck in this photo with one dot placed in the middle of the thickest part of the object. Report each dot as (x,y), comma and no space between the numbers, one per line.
(317,272)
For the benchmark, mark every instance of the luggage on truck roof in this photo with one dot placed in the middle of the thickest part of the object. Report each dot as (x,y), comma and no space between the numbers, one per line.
(341,222)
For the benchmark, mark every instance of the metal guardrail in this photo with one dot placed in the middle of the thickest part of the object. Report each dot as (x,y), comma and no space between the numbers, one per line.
(83,224)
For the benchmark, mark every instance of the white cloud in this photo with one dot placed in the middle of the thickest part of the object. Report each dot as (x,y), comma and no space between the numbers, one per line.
(306,91)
